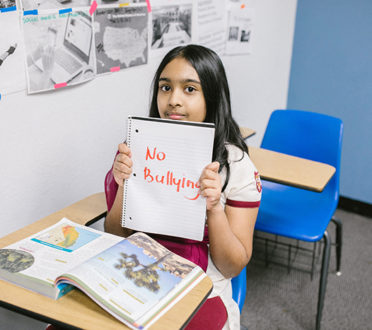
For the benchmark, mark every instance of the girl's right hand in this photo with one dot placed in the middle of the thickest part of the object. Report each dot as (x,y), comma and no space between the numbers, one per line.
(123,164)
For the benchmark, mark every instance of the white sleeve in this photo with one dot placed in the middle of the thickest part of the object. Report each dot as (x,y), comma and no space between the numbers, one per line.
(244,186)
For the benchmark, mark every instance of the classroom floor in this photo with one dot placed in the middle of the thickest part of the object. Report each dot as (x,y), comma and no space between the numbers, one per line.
(278,300)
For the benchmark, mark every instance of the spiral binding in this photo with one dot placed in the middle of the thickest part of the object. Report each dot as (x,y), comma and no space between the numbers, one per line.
(123,211)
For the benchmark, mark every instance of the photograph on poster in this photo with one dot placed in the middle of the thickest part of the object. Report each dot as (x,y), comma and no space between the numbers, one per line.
(233,33)
(245,36)
(53,4)
(121,37)
(240,26)
(7,3)
(118,2)
(12,70)
(171,25)
(59,49)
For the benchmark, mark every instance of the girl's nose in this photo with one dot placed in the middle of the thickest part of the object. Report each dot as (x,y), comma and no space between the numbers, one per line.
(175,99)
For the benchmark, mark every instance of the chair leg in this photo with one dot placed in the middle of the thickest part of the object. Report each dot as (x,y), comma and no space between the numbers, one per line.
(266,253)
(313,261)
(323,277)
(338,224)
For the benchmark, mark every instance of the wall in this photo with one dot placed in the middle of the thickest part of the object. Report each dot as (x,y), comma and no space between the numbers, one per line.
(331,73)
(56,147)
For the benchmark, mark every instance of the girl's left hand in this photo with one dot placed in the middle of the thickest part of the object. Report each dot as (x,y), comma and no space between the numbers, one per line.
(210,185)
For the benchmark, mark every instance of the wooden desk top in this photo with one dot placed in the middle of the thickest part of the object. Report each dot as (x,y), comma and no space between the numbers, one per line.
(75,308)
(286,169)
(246,132)
(290,170)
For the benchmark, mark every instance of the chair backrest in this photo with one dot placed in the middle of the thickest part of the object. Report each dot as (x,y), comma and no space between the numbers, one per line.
(307,135)
(239,288)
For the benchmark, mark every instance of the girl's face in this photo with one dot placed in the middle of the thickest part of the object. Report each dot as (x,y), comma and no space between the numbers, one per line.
(180,95)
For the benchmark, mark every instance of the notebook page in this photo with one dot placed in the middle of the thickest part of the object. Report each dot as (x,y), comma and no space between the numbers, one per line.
(162,195)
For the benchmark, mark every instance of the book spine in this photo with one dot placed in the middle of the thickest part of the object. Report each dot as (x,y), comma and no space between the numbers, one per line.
(124,207)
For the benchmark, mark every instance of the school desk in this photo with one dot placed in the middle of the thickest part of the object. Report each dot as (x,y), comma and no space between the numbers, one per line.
(286,169)
(246,132)
(75,309)
(291,170)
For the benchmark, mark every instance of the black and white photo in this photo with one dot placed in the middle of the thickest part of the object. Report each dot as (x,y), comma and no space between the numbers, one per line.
(121,37)
(53,4)
(171,25)
(59,49)
(7,4)
(118,2)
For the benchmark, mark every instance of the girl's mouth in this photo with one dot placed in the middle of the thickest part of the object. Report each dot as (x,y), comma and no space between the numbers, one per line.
(175,115)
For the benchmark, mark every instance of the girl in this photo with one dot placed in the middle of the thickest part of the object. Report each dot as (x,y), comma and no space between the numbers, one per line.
(190,84)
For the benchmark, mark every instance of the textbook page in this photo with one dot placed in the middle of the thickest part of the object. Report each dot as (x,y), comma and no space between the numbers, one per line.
(162,194)
(36,261)
(135,279)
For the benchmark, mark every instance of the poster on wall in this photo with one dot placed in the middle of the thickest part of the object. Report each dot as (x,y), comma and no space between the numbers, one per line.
(7,5)
(59,49)
(212,24)
(118,2)
(12,70)
(171,24)
(121,37)
(53,4)
(239,30)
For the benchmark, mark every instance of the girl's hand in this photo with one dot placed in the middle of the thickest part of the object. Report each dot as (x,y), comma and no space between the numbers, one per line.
(122,168)
(210,186)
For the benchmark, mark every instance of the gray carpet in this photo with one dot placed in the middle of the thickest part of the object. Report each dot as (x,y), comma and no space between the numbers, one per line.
(278,300)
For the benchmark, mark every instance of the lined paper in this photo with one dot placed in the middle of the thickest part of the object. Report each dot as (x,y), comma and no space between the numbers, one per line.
(162,195)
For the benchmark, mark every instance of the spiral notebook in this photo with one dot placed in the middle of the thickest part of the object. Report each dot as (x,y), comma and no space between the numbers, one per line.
(162,194)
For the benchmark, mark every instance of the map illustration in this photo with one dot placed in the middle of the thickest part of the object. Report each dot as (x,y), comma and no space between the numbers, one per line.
(15,261)
(67,238)
(120,38)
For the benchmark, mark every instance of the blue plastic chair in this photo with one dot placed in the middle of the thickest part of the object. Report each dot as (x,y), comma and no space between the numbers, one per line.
(297,213)
(239,288)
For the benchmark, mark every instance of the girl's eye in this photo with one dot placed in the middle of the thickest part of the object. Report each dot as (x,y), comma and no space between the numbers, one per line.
(190,89)
(164,88)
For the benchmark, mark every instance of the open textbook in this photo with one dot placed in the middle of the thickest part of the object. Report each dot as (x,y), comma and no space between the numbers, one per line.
(135,279)
(162,194)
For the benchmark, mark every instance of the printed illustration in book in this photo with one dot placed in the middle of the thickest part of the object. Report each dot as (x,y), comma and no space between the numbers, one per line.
(135,279)
(36,261)
(132,278)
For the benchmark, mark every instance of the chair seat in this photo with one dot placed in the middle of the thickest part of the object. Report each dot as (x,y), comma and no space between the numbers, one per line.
(303,214)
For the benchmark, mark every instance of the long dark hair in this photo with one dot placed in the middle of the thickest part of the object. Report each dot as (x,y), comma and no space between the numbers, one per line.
(216,92)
